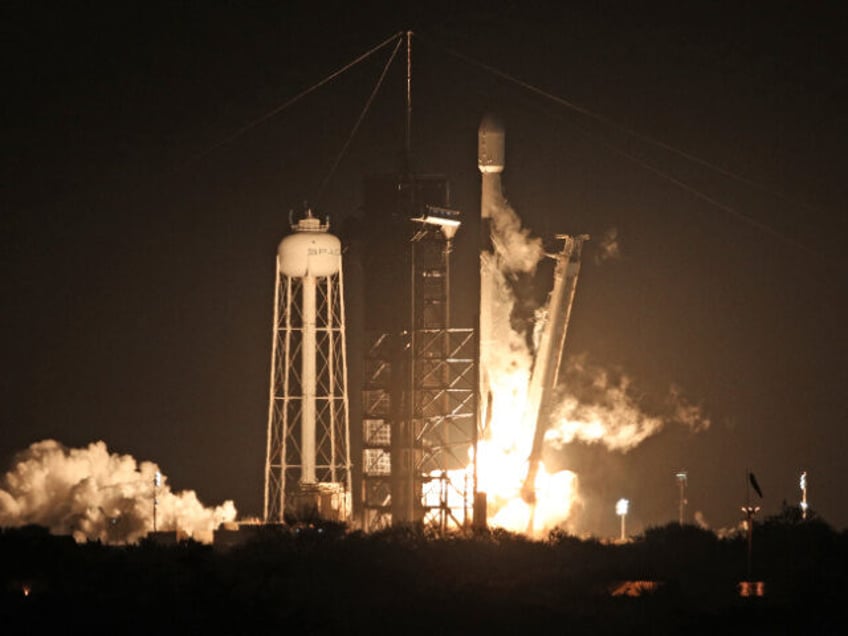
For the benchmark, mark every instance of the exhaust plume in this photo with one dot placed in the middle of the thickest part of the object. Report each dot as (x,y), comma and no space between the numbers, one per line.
(598,408)
(95,495)
(514,247)
(509,331)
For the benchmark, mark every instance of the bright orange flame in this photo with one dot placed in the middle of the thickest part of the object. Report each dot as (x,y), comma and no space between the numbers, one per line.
(503,461)
(503,455)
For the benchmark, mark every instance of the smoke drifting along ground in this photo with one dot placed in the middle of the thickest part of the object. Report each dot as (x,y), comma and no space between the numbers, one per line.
(93,494)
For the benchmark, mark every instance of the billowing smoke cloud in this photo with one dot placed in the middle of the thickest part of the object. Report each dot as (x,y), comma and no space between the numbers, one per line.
(516,250)
(93,494)
(507,362)
(597,407)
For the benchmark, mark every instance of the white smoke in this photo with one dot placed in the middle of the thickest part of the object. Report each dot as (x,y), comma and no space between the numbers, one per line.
(609,247)
(721,533)
(508,360)
(600,408)
(596,407)
(516,250)
(93,494)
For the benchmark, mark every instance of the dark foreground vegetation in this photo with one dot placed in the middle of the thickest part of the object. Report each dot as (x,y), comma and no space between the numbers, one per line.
(324,580)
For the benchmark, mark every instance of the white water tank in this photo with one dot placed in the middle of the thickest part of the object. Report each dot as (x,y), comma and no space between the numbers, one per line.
(310,250)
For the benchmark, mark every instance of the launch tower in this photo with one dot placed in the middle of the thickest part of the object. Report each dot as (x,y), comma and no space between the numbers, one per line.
(418,411)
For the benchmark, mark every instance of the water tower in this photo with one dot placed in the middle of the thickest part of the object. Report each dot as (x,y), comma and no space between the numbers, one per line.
(307,466)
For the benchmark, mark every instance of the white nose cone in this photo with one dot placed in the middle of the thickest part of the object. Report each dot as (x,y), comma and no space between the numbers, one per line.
(490,144)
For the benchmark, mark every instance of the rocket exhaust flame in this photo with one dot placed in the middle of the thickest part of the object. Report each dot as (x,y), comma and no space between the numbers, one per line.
(96,495)
(506,362)
(509,468)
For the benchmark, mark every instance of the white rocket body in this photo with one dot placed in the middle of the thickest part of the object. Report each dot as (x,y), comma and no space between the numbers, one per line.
(491,161)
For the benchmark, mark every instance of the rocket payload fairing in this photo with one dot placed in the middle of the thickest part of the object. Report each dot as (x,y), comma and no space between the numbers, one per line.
(490,160)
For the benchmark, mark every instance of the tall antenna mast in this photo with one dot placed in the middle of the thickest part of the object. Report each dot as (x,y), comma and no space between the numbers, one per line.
(408,139)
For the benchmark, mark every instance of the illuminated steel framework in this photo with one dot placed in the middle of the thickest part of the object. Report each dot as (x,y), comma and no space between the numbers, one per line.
(308,467)
(443,382)
(418,401)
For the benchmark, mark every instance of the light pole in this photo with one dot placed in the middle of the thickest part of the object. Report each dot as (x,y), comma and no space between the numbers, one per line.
(750,511)
(681,486)
(804,504)
(621,510)
(157,482)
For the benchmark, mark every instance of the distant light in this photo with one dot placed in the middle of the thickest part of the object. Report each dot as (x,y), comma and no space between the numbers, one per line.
(437,220)
(621,507)
(157,479)
(804,504)
(751,588)
(681,475)
(446,219)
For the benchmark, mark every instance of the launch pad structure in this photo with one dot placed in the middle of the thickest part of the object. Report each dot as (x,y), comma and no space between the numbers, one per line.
(418,424)
(427,391)
(426,397)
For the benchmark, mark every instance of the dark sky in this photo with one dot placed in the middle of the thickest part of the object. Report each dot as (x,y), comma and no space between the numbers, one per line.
(138,279)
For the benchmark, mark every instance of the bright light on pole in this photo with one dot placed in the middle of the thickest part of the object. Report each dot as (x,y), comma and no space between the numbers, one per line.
(681,485)
(157,483)
(804,504)
(621,510)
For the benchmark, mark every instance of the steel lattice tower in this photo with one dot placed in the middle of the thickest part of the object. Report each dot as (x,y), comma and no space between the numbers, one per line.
(419,386)
(307,467)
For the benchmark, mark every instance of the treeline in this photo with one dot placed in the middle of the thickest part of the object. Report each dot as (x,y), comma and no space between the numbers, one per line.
(323,579)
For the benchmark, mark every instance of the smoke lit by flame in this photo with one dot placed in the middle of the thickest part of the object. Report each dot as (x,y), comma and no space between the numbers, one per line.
(606,411)
(607,414)
(93,494)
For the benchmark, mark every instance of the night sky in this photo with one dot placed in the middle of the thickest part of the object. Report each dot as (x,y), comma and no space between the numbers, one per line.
(138,250)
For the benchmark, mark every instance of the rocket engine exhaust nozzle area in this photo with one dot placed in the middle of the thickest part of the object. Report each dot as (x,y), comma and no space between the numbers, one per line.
(545,374)
(490,144)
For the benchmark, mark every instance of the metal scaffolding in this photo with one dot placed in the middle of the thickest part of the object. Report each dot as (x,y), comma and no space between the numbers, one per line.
(418,402)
